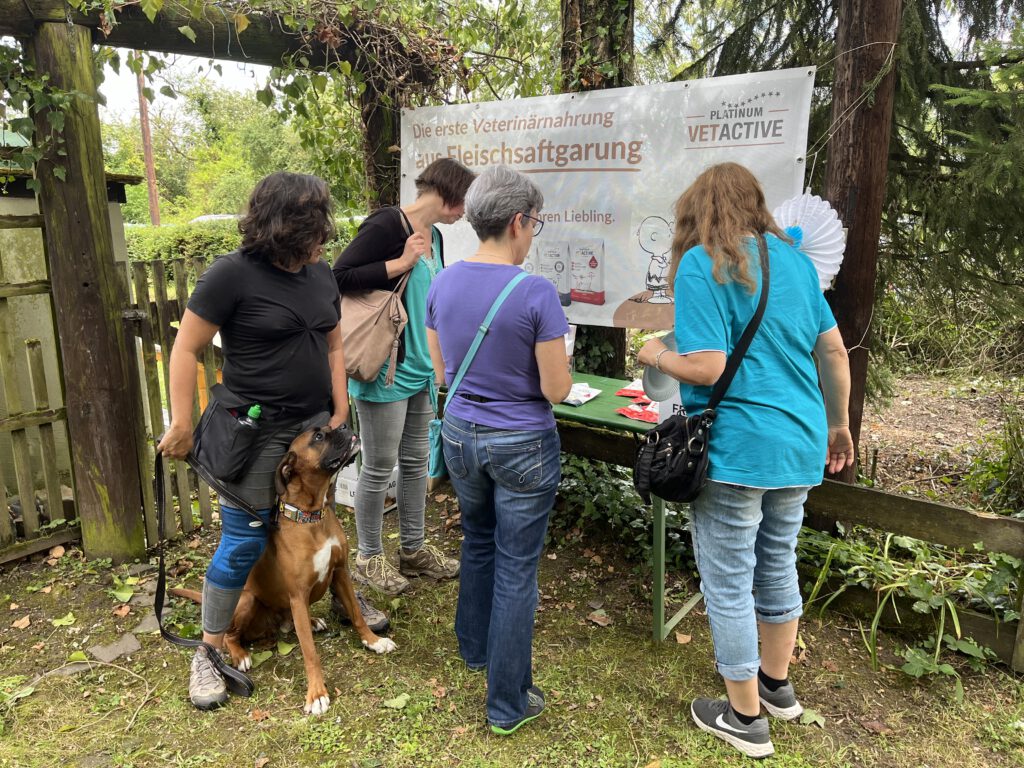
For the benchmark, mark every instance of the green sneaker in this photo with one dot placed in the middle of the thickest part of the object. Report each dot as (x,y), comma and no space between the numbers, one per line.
(534,708)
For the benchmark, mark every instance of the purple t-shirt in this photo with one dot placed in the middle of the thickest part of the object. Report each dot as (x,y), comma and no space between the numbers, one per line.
(505,366)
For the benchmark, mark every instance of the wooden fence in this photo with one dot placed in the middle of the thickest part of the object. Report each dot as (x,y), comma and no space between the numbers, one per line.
(833,503)
(34,528)
(159,290)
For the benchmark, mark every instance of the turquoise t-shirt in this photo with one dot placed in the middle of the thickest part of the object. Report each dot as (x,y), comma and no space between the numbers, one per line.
(771,430)
(415,373)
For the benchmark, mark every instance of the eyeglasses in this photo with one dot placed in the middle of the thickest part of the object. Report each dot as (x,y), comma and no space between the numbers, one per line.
(538,224)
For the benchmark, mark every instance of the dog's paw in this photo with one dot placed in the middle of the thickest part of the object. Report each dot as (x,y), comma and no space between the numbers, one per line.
(243,663)
(318,624)
(318,705)
(382,645)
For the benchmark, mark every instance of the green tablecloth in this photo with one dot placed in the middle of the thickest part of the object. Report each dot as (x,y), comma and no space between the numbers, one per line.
(600,411)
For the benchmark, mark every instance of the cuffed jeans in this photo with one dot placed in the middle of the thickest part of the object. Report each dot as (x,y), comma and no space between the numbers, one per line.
(390,433)
(506,482)
(745,543)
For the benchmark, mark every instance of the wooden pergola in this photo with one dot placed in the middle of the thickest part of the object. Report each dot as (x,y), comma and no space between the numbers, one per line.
(88,295)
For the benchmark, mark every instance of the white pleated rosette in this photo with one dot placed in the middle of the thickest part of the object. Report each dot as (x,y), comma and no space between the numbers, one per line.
(815,227)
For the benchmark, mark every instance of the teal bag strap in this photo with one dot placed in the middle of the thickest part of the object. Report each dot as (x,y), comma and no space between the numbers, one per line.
(483,332)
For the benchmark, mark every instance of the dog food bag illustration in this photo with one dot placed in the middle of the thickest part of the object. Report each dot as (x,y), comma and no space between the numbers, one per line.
(553,264)
(587,265)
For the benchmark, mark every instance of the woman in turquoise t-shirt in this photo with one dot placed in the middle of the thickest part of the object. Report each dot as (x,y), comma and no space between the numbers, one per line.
(393,417)
(772,439)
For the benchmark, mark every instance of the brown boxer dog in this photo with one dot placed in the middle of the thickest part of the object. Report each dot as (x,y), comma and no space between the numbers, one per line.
(306,555)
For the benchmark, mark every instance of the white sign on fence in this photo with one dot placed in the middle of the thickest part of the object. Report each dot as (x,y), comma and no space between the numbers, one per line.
(611,164)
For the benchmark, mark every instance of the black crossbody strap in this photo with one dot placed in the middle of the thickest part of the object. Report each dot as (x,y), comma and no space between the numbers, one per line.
(736,357)
(237,681)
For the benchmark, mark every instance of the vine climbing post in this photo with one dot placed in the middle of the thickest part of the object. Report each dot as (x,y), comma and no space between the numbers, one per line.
(87,297)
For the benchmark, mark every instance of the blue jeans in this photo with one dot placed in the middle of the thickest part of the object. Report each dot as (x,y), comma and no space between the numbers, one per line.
(745,543)
(506,482)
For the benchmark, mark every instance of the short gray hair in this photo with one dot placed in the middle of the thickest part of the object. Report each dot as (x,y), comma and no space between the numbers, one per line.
(495,196)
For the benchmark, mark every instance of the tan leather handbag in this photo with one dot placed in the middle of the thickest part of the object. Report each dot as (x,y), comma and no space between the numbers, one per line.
(371,324)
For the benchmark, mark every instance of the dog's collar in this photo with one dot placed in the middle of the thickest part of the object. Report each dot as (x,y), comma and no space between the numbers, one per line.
(297,515)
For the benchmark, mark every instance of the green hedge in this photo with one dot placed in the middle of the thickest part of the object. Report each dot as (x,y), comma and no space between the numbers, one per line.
(205,238)
(209,239)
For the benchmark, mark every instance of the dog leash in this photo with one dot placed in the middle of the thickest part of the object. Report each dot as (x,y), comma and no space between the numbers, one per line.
(236,681)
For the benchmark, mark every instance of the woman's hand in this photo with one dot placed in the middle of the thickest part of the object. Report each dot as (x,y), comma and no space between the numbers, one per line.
(649,352)
(176,442)
(337,420)
(840,449)
(415,247)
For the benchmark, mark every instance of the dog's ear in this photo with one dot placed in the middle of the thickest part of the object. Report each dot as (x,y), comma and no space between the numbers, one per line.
(284,472)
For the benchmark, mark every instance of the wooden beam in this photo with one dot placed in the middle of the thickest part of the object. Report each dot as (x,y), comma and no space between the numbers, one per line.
(32,288)
(32,418)
(32,546)
(24,221)
(88,302)
(266,40)
(833,502)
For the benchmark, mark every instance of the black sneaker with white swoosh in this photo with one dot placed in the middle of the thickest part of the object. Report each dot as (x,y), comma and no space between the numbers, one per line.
(716,717)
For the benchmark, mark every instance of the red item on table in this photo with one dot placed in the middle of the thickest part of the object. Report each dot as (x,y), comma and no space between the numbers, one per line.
(648,413)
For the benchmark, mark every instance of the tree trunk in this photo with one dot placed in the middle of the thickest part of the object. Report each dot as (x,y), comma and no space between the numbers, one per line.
(597,52)
(88,299)
(856,175)
(381,135)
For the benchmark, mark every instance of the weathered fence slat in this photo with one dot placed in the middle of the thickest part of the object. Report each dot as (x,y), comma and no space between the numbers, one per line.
(143,447)
(140,281)
(32,419)
(181,297)
(31,288)
(21,221)
(834,502)
(163,320)
(7,531)
(47,445)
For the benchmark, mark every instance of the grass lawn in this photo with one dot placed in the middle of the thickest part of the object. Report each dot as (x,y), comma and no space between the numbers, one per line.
(614,697)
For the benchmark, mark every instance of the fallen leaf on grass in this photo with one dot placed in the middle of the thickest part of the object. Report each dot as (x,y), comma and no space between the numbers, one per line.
(441,497)
(122,610)
(653,764)
(440,692)
(284,648)
(22,623)
(552,556)
(459,730)
(830,665)
(596,605)
(78,656)
(398,702)
(260,657)
(259,715)
(57,551)
(193,544)
(683,639)
(64,621)
(600,618)
(123,593)
(46,590)
(810,717)
(14,606)
(875,726)
(261,762)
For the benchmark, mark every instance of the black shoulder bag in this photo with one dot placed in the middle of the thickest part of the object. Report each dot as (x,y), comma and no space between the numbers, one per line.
(672,460)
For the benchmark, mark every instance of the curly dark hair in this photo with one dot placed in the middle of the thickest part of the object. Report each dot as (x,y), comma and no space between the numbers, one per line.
(449,178)
(288,217)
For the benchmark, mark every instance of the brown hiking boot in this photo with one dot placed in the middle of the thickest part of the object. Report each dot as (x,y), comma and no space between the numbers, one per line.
(429,561)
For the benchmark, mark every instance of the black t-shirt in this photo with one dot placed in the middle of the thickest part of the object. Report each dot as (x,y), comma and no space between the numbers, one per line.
(273,330)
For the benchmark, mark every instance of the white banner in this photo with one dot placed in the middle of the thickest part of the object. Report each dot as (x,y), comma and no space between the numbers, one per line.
(611,165)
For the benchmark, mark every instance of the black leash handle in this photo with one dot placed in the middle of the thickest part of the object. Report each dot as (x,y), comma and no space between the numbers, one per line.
(237,681)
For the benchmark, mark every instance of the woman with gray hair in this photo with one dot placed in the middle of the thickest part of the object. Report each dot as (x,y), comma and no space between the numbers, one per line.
(500,443)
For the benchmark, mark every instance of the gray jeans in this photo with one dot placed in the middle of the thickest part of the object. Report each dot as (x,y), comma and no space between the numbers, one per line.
(390,433)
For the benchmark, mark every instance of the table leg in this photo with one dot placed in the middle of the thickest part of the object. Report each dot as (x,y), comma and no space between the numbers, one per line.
(661,628)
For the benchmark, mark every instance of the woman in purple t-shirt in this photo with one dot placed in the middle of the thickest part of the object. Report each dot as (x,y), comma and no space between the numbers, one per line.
(500,442)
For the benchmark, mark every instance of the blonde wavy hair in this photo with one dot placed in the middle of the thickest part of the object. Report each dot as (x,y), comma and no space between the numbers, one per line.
(724,205)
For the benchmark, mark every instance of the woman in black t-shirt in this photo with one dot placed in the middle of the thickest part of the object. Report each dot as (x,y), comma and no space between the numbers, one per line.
(276,308)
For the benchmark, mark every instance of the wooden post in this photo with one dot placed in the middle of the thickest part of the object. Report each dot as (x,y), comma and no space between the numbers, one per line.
(858,155)
(89,303)
(147,153)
